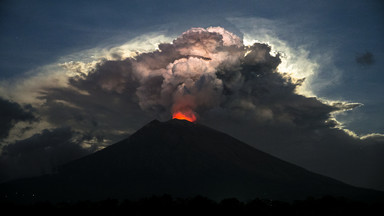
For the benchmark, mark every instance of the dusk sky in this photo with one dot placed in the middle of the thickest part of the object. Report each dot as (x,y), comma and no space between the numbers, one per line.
(77,76)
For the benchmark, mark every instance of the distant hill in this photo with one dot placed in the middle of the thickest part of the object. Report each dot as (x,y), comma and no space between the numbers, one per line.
(182,159)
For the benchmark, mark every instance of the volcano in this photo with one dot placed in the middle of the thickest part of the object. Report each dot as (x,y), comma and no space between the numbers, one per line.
(182,159)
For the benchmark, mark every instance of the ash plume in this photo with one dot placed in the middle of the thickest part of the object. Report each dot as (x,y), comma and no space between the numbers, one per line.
(211,74)
(203,70)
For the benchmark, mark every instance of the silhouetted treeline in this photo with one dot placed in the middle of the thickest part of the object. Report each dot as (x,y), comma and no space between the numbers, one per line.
(167,205)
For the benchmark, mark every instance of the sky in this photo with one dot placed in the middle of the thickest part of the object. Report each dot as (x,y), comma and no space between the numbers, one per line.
(77,76)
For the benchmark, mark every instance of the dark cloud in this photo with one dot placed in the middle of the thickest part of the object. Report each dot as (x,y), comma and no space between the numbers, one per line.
(231,87)
(42,153)
(365,59)
(107,109)
(11,113)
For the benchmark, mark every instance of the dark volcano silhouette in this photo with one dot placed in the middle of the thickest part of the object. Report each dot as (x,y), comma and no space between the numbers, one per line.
(182,159)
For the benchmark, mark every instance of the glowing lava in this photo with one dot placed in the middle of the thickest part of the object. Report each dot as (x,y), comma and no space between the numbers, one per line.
(184,115)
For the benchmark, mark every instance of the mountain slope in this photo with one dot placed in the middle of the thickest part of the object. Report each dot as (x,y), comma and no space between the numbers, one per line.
(182,159)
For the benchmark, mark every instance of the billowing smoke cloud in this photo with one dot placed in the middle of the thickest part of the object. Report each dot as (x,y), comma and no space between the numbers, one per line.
(189,80)
(204,70)
(229,86)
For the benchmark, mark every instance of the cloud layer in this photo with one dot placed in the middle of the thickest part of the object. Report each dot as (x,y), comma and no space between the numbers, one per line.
(232,87)
(10,114)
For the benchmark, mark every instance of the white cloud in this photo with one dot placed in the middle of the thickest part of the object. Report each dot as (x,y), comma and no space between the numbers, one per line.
(295,60)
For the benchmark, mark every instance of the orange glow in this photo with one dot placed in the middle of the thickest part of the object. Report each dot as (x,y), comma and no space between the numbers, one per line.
(182,115)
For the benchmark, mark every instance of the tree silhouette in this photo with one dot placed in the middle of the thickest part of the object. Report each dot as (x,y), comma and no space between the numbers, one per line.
(199,205)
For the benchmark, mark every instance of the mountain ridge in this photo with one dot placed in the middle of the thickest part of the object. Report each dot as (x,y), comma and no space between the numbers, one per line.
(183,159)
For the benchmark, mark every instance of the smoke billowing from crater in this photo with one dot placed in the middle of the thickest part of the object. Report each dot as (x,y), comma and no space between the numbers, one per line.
(208,75)
(204,70)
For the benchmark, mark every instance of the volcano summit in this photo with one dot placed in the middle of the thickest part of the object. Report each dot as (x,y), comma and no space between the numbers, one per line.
(182,159)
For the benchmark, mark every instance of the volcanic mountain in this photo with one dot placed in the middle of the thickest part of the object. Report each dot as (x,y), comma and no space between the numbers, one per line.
(182,159)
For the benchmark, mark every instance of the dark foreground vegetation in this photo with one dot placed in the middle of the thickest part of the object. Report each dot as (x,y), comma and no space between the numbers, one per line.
(159,205)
